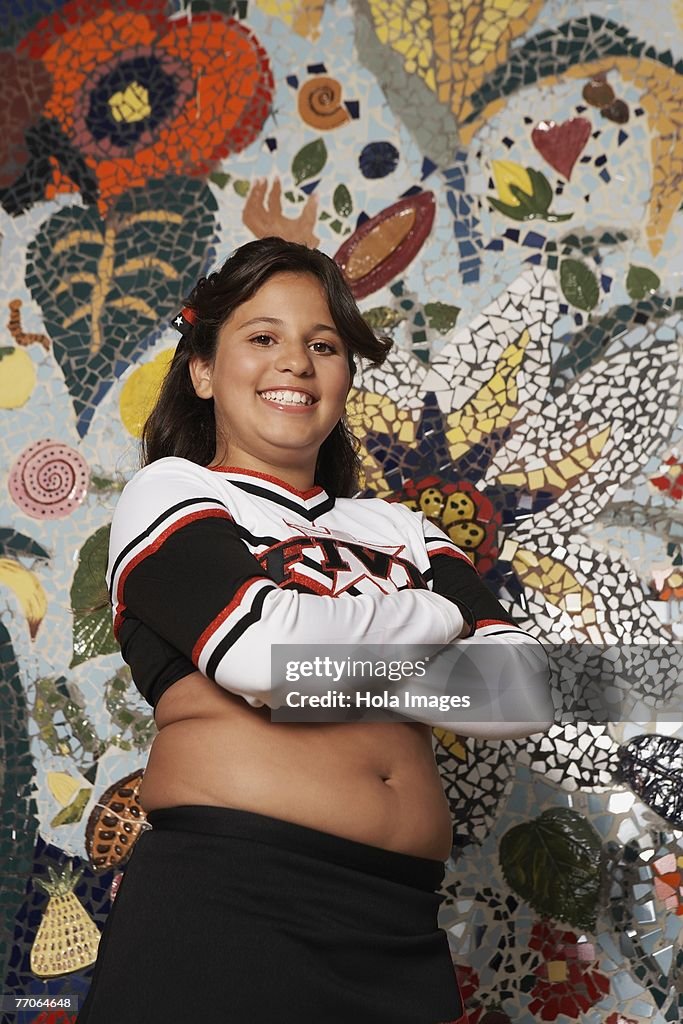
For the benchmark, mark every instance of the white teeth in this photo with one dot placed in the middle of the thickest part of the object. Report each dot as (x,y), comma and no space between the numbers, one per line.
(287,397)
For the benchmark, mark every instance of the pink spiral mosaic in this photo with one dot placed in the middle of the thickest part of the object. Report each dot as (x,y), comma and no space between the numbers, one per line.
(49,480)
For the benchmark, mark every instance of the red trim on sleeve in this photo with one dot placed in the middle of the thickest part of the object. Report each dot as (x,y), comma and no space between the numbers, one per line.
(498,622)
(217,513)
(222,616)
(452,554)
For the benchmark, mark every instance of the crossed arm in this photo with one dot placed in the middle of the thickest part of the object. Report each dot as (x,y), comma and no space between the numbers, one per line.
(177,609)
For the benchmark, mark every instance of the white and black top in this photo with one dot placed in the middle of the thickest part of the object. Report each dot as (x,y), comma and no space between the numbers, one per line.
(209,566)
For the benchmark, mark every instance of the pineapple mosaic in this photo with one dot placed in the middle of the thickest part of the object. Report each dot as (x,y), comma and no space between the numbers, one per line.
(67,938)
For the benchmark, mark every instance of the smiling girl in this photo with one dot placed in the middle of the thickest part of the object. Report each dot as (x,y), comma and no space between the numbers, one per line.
(292,869)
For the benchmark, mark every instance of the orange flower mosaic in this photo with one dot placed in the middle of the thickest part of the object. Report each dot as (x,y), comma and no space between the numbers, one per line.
(142,96)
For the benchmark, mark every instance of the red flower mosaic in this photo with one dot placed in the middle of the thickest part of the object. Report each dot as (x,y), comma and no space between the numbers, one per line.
(468,983)
(142,96)
(462,512)
(671,480)
(668,883)
(55,1017)
(567,981)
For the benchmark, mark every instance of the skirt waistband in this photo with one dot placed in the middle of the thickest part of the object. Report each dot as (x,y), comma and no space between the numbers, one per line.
(420,872)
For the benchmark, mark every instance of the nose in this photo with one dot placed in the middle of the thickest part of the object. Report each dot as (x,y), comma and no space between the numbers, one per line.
(294,356)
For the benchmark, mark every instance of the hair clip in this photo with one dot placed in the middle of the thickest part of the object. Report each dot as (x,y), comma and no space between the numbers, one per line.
(185,320)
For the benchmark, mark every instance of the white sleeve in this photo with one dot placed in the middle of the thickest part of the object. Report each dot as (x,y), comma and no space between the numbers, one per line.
(497,656)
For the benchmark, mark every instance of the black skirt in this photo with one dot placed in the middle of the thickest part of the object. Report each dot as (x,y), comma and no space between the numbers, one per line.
(234,917)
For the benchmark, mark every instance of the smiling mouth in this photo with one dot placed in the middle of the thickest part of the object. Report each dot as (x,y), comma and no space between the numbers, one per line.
(293,398)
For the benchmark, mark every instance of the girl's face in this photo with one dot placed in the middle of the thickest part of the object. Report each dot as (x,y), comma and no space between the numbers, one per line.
(279,380)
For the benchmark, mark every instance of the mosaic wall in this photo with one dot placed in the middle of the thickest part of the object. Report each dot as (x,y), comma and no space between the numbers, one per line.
(501,181)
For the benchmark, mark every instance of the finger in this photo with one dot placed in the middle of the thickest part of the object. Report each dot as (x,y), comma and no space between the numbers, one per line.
(258,189)
(309,213)
(275,199)
(254,200)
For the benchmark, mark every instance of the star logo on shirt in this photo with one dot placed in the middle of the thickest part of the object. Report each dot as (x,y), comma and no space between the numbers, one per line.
(329,566)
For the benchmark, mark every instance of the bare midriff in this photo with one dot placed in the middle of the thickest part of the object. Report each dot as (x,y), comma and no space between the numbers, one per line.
(373,782)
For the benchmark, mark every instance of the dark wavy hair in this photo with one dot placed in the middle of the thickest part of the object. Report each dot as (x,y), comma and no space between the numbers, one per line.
(184,425)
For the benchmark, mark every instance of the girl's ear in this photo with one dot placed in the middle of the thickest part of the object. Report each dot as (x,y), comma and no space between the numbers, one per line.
(200,374)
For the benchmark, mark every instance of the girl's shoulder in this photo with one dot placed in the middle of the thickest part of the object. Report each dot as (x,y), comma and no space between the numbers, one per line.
(162,484)
(383,514)
(171,472)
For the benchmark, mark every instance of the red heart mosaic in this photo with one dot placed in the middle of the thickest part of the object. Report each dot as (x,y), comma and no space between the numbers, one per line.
(561,145)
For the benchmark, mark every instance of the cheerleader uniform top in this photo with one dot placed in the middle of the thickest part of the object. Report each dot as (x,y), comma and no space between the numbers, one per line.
(210,565)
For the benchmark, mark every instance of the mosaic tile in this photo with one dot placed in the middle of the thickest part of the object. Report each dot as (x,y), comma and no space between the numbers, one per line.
(560,145)
(476,777)
(303,16)
(172,102)
(652,766)
(378,159)
(530,406)
(408,96)
(437,44)
(566,983)
(18,377)
(49,479)
(609,46)
(320,103)
(382,247)
(587,345)
(578,756)
(530,854)
(263,215)
(524,194)
(101,312)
